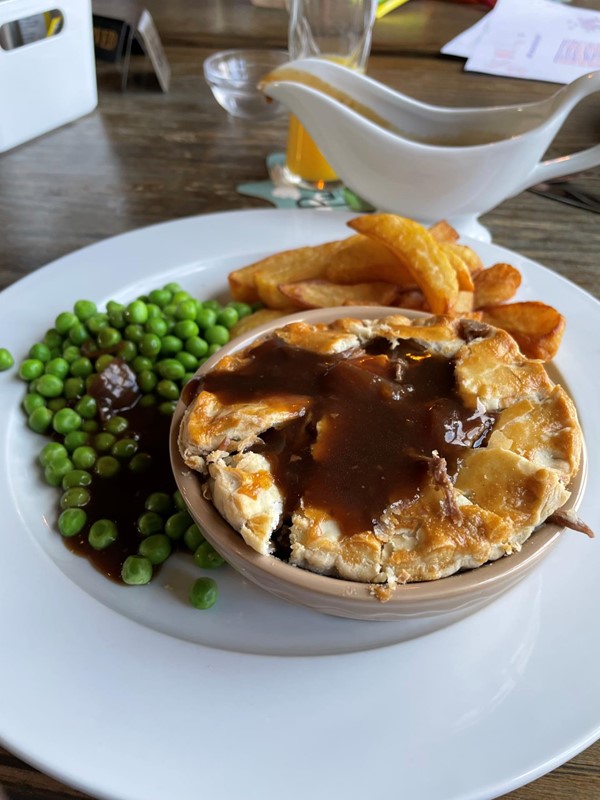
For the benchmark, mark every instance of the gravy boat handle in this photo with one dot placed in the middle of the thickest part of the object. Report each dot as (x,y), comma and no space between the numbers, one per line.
(565,100)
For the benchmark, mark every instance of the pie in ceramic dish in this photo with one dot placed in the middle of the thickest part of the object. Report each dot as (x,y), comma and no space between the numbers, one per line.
(383,451)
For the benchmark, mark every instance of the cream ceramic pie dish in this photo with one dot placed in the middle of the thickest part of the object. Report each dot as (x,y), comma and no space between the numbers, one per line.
(412,562)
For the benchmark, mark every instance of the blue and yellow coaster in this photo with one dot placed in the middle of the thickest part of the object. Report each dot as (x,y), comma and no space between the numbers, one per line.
(277,191)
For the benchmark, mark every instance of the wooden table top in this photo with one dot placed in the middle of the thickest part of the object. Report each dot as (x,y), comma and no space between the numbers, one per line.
(145,157)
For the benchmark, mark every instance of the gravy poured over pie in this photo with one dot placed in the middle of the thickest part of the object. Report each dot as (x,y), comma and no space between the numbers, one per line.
(388,450)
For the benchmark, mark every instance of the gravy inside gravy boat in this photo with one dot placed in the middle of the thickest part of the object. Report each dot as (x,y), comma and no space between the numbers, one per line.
(423,161)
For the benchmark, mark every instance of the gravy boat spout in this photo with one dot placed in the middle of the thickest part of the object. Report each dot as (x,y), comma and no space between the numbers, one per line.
(424,161)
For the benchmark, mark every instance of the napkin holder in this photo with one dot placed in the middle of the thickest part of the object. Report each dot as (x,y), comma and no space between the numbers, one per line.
(47,79)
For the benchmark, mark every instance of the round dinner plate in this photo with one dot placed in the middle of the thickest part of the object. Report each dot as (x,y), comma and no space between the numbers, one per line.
(128,693)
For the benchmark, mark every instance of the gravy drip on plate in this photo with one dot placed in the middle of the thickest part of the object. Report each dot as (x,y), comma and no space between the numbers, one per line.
(373,419)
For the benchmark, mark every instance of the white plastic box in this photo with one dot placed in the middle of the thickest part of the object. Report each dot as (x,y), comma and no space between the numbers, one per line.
(48,82)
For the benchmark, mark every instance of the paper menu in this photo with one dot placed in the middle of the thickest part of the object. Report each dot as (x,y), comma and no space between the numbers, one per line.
(538,40)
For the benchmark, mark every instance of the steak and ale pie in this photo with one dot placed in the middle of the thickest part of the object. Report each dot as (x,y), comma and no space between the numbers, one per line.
(383,451)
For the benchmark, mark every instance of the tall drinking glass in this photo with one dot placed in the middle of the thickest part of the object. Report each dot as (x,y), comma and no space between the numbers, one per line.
(338,30)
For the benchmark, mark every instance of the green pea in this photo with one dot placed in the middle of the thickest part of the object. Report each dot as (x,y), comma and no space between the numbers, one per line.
(179,501)
(116,314)
(78,334)
(71,522)
(84,457)
(196,346)
(107,467)
(156,325)
(76,477)
(203,593)
(193,538)
(96,322)
(103,361)
(75,439)
(169,311)
(150,523)
(141,462)
(181,296)
(66,420)
(168,407)
(206,318)
(154,311)
(116,425)
(52,338)
(30,369)
(32,401)
(159,502)
(170,345)
(87,407)
(188,377)
(40,352)
(124,448)
(84,309)
(189,362)
(104,441)
(71,353)
(170,368)
(74,388)
(186,328)
(156,548)
(147,401)
(177,524)
(137,312)
(6,359)
(53,451)
(55,472)
(75,497)
(140,364)
(128,350)
(167,389)
(146,380)
(65,321)
(134,333)
(57,403)
(150,345)
(40,419)
(228,317)
(108,337)
(58,367)
(243,309)
(213,305)
(213,348)
(89,425)
(160,297)
(136,570)
(173,287)
(207,557)
(216,334)
(81,367)
(102,534)
(185,309)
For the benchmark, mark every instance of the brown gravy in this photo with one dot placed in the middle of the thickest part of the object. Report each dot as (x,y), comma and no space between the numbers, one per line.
(373,419)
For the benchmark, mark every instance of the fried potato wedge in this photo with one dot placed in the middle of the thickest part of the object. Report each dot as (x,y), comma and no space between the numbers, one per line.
(460,266)
(536,327)
(361,259)
(290,266)
(323,294)
(411,298)
(420,254)
(496,284)
(468,255)
(442,231)
(252,321)
(464,303)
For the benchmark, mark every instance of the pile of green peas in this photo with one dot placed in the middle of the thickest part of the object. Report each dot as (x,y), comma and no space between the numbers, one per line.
(162,337)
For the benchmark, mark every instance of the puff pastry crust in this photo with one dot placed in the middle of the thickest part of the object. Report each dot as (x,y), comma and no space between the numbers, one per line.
(499,493)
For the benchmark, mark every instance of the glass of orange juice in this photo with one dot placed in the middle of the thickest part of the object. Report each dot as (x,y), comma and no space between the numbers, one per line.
(338,30)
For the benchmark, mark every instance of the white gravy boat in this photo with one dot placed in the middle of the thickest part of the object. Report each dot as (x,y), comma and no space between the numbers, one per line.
(422,161)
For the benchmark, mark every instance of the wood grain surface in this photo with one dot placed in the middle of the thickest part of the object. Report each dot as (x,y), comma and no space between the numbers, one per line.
(145,157)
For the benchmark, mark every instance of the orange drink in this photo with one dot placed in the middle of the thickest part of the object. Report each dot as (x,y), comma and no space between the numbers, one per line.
(303,158)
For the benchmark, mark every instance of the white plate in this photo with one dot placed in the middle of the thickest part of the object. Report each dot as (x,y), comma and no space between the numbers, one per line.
(128,693)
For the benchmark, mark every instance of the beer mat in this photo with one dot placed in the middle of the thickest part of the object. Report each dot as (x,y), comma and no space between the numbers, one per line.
(281,194)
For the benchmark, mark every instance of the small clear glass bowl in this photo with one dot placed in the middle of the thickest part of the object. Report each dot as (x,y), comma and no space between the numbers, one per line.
(234,75)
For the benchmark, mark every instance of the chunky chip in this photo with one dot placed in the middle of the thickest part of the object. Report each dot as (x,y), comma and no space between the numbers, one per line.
(324,294)
(496,284)
(361,259)
(419,252)
(537,328)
